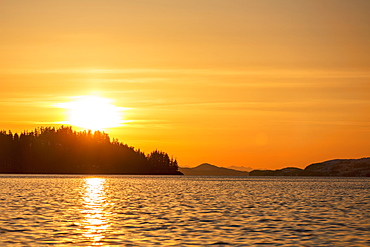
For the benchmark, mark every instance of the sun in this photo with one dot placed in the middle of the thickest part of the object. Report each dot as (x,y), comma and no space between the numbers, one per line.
(93,112)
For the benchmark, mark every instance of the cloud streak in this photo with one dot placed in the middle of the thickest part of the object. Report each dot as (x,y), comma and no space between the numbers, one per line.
(253,72)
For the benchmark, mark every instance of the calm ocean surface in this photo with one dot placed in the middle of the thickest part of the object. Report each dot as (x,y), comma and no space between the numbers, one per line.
(179,210)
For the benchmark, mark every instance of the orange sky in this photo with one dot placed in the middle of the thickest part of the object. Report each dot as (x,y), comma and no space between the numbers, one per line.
(264,84)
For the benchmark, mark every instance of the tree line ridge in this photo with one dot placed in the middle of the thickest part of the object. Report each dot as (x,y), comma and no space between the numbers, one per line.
(50,150)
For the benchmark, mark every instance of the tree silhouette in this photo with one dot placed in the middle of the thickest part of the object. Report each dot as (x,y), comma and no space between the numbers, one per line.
(63,150)
(161,163)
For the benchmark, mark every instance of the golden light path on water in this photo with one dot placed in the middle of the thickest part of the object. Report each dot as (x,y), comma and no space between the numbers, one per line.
(96,220)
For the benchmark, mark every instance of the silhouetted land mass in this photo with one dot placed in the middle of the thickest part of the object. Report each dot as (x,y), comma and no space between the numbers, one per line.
(48,150)
(241,168)
(331,168)
(211,170)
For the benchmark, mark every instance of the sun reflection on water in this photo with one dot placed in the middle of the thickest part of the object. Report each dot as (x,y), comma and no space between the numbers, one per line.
(96,218)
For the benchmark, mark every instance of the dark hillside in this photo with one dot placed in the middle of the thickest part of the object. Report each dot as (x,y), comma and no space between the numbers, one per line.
(211,170)
(330,168)
(340,167)
(64,151)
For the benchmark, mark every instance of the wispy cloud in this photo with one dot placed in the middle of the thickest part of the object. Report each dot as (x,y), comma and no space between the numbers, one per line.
(152,123)
(32,100)
(258,72)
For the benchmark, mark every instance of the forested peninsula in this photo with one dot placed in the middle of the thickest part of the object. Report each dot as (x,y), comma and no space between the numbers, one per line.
(48,150)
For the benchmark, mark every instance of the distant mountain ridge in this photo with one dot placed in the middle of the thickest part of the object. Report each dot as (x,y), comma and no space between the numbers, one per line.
(241,168)
(211,170)
(330,168)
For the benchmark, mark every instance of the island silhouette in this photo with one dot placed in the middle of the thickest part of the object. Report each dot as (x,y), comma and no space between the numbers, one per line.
(206,169)
(49,150)
(329,168)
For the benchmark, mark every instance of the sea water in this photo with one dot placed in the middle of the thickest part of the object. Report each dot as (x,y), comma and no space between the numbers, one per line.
(183,210)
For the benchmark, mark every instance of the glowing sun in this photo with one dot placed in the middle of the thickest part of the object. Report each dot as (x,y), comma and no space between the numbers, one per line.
(93,112)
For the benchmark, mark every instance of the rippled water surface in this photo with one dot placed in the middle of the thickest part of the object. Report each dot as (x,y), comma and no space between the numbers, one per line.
(180,210)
